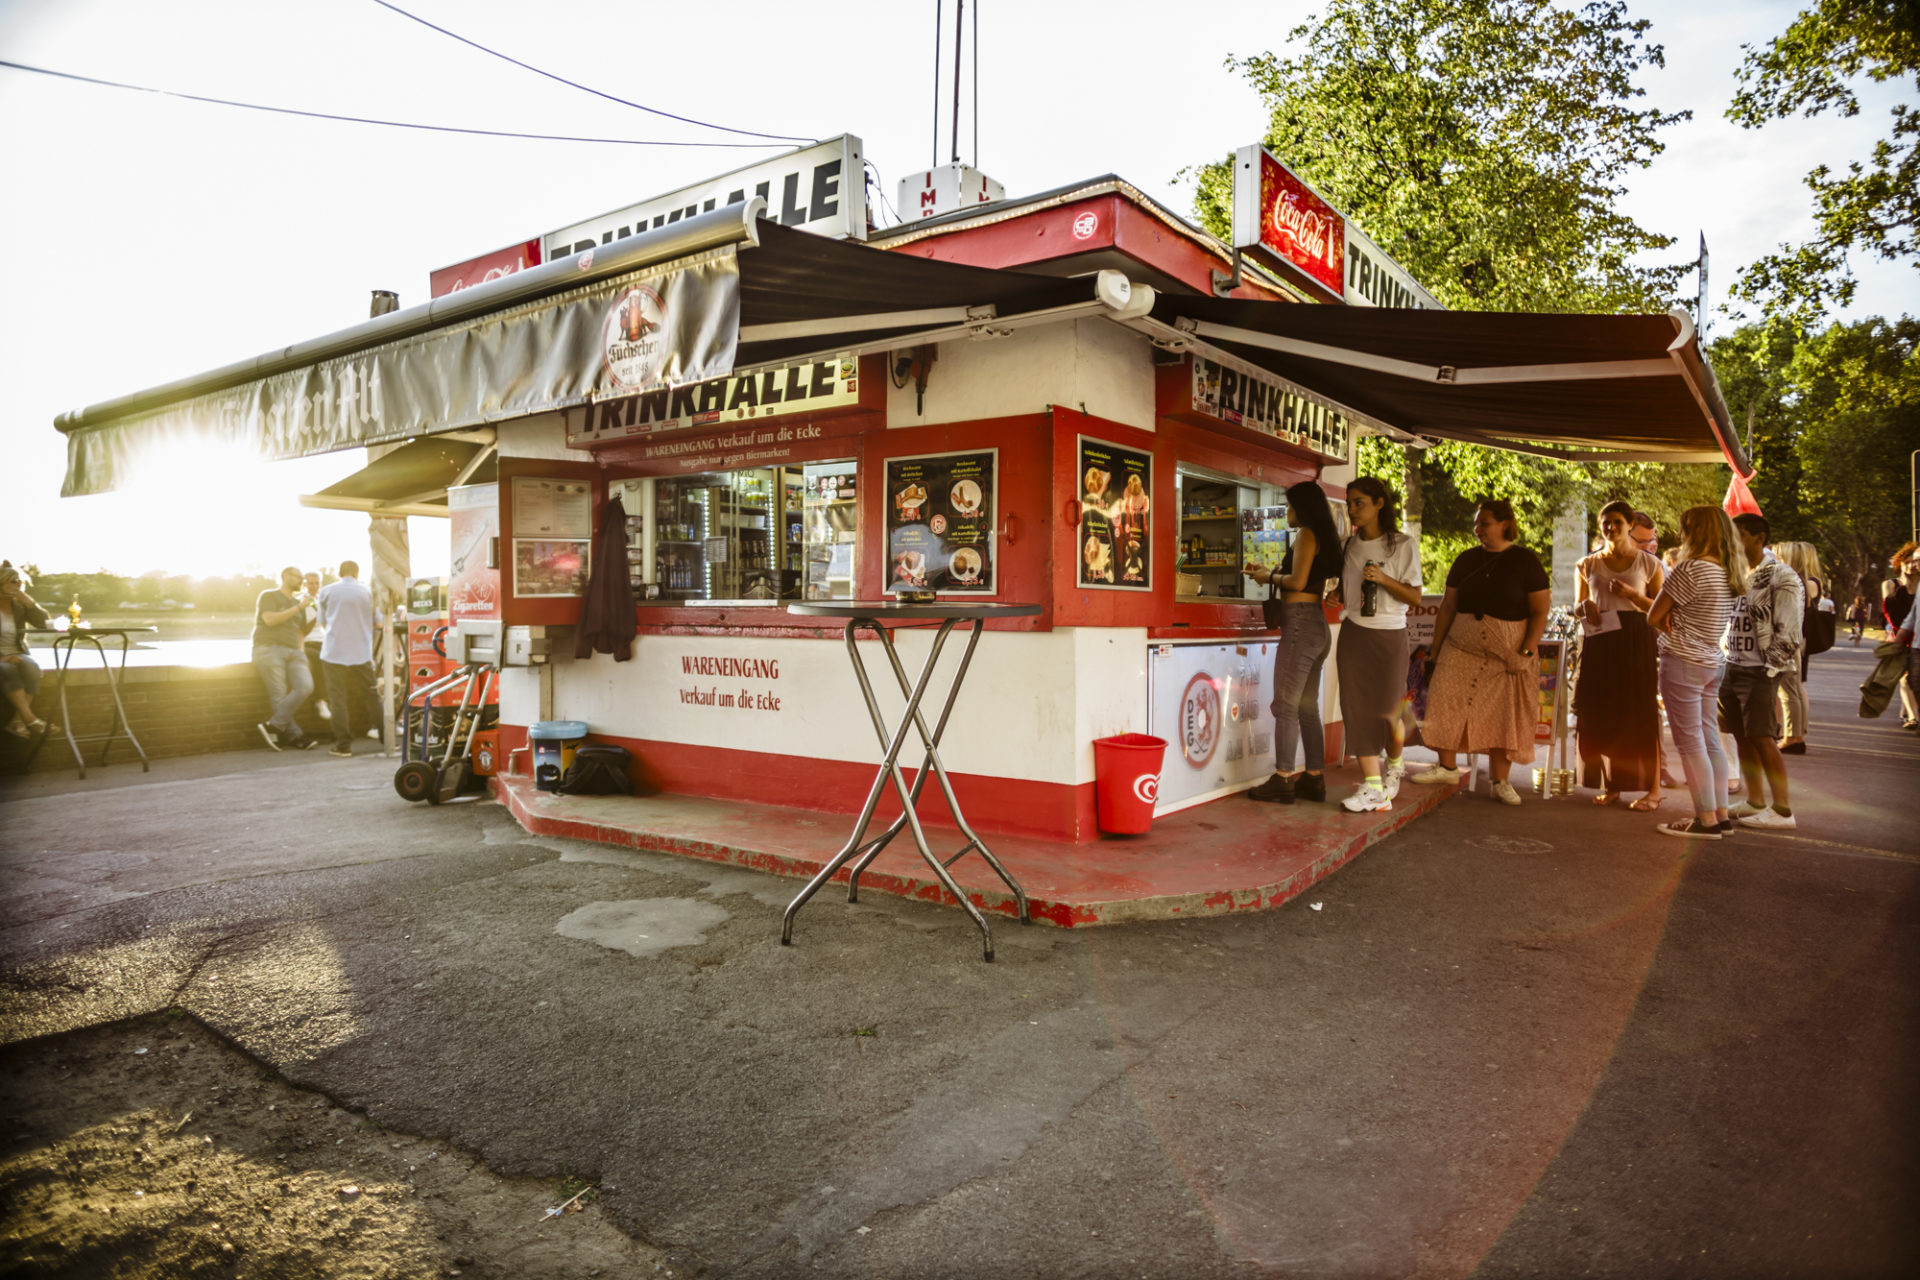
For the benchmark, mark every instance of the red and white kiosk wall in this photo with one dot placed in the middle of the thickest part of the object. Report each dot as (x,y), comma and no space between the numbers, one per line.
(736,698)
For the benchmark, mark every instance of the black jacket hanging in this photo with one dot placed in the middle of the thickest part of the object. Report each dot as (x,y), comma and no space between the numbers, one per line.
(607,620)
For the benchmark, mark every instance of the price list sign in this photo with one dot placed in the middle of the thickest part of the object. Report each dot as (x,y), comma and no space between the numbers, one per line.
(940,517)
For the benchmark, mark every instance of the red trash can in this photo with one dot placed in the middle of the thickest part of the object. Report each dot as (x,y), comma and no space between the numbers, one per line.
(1126,781)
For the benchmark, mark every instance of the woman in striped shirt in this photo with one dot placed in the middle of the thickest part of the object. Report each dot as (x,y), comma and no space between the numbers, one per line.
(1691,614)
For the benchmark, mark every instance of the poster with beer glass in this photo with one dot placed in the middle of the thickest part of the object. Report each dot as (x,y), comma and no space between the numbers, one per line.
(1116,506)
(940,522)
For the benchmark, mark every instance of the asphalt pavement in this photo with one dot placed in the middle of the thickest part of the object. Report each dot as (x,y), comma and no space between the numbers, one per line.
(1541,1041)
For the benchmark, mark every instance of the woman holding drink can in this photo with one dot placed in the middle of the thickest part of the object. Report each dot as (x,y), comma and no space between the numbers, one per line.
(1379,582)
(1616,699)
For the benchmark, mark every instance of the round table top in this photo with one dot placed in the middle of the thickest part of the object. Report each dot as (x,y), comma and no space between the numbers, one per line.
(91,630)
(938,610)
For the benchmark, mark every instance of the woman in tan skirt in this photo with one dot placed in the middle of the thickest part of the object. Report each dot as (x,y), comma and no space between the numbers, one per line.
(1483,694)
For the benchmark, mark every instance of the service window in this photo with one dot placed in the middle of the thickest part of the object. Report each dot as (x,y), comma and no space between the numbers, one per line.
(1224,523)
(739,537)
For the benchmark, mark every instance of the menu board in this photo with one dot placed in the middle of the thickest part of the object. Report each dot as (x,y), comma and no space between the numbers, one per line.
(1116,504)
(940,517)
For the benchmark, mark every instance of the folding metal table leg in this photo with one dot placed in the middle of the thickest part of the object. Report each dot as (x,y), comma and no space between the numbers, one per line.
(880,842)
(939,769)
(892,746)
(120,722)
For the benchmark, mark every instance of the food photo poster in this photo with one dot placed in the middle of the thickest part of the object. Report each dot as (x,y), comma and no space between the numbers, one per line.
(1116,514)
(940,517)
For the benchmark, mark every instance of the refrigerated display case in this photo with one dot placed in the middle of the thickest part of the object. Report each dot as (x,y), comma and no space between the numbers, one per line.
(764,534)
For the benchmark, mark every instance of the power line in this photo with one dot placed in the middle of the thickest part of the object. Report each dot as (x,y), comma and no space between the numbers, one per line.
(391,124)
(527,66)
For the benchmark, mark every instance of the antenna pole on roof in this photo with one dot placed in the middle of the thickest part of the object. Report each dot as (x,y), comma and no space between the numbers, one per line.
(959,31)
(937,23)
(976,84)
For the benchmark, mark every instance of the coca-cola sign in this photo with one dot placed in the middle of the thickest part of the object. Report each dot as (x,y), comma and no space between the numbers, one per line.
(488,266)
(1300,227)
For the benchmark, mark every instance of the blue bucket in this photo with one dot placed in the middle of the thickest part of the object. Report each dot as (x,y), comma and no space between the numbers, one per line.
(553,746)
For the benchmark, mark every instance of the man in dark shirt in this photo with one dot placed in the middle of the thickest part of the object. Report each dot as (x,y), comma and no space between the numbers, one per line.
(280,623)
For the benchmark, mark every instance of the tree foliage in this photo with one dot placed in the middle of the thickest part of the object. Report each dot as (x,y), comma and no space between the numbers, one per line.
(1481,143)
(1836,416)
(1484,145)
(1874,208)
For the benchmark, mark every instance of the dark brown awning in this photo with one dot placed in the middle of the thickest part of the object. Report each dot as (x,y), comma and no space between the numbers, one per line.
(1589,387)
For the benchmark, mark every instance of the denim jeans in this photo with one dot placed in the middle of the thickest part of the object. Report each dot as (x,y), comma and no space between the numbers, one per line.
(1692,695)
(1302,651)
(283,670)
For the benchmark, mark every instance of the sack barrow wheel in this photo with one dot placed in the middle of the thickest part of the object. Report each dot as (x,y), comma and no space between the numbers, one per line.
(415,780)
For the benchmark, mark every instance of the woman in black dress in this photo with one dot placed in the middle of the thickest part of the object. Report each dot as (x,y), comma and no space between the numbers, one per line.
(1616,698)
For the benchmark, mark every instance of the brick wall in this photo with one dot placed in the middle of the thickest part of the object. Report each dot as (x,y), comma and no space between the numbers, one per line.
(174,711)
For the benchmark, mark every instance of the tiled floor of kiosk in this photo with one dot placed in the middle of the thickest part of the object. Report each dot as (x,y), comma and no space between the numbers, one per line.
(1231,855)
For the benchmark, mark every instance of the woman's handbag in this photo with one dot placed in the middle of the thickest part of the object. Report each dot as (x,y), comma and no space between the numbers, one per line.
(1271,608)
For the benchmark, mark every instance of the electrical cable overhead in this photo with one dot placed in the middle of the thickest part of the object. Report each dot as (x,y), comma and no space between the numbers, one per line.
(390,124)
(572,84)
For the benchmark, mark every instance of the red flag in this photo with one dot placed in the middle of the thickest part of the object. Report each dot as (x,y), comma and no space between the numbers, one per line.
(1739,499)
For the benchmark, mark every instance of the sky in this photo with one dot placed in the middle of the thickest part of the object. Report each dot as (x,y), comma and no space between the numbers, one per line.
(155,238)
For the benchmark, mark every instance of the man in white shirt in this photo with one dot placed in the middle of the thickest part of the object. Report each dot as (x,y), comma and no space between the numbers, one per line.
(346,655)
(1763,642)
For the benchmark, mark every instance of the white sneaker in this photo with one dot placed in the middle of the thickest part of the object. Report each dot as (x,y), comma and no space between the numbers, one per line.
(1768,820)
(1745,810)
(1503,792)
(1366,797)
(1395,773)
(1435,773)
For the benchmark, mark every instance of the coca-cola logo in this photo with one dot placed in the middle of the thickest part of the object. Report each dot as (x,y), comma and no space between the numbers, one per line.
(1309,232)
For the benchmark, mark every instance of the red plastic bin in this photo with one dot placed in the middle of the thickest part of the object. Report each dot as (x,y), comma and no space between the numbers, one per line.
(1126,781)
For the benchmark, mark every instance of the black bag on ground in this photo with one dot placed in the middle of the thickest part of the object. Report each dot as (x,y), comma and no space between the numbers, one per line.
(598,769)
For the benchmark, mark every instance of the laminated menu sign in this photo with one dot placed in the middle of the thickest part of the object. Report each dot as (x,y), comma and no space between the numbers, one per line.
(940,522)
(1116,503)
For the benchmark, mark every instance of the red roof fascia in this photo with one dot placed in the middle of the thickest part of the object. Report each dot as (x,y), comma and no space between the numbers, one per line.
(1108,221)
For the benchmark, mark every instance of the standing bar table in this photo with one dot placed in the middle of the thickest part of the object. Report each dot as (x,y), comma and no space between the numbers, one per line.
(63,646)
(878,616)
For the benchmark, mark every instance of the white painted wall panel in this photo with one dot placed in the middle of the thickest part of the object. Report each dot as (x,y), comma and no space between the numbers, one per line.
(1093,364)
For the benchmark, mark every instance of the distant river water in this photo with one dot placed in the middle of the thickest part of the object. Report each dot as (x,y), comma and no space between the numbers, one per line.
(182,640)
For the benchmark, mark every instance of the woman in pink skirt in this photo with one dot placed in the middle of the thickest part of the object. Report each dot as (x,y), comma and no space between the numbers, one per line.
(1484,693)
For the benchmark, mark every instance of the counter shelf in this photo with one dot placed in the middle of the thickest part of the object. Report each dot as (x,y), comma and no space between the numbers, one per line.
(878,616)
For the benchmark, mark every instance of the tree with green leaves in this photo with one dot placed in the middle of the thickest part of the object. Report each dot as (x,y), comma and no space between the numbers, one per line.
(1837,415)
(1484,145)
(1873,208)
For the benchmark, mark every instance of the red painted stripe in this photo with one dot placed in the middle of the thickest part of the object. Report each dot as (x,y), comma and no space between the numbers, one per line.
(1016,806)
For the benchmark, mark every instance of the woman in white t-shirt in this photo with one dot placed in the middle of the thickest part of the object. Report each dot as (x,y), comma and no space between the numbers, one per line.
(1378,582)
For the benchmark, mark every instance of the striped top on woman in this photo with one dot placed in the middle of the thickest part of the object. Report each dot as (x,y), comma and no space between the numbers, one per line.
(1697,590)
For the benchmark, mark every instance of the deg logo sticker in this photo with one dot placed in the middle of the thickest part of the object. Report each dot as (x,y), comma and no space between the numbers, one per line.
(1199,720)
